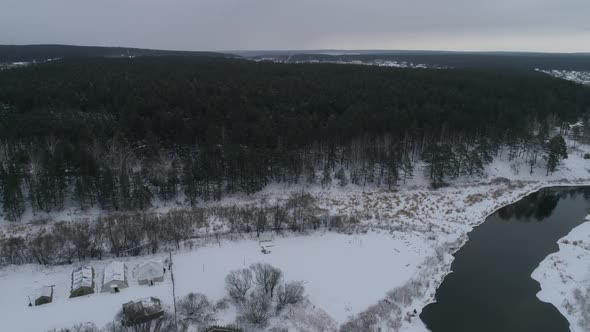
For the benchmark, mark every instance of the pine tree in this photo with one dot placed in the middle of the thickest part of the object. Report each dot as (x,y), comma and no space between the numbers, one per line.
(310,176)
(124,186)
(392,173)
(12,199)
(341,177)
(439,159)
(326,177)
(189,185)
(141,195)
(556,150)
(475,163)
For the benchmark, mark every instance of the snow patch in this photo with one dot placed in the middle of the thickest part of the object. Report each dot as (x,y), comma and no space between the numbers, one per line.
(564,277)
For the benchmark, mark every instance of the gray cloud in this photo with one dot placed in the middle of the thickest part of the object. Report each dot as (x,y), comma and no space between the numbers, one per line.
(546,25)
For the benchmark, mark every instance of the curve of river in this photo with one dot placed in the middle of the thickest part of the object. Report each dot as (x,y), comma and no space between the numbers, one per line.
(491,289)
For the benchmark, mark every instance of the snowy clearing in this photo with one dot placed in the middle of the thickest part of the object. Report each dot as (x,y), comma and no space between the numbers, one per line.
(565,278)
(327,262)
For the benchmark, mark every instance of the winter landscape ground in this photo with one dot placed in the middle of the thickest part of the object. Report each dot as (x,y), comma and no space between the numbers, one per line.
(565,278)
(580,77)
(385,268)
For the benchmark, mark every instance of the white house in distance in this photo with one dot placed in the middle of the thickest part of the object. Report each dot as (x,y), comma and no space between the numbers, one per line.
(150,272)
(114,277)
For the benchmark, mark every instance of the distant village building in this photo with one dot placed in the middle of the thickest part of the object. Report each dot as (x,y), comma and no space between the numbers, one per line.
(142,311)
(150,272)
(216,328)
(114,277)
(82,281)
(44,295)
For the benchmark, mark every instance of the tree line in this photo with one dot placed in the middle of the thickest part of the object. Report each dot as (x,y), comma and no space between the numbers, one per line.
(133,234)
(121,134)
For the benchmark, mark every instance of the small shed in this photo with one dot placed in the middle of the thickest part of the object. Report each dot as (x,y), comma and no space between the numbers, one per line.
(44,295)
(150,272)
(114,277)
(82,281)
(142,311)
(266,244)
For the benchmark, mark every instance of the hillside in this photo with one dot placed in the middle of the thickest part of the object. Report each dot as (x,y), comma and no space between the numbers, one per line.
(121,133)
(487,61)
(39,53)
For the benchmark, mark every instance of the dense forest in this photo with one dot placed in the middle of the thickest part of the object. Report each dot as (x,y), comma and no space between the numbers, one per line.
(119,134)
(41,53)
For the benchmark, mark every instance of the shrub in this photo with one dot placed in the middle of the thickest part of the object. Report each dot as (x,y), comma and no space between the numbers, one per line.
(237,284)
(289,293)
(256,309)
(196,308)
(267,277)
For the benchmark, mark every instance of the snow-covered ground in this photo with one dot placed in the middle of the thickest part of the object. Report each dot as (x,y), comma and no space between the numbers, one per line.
(403,245)
(565,278)
(339,277)
(582,77)
(375,62)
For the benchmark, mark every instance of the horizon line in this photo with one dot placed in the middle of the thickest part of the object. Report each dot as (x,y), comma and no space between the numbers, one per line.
(304,50)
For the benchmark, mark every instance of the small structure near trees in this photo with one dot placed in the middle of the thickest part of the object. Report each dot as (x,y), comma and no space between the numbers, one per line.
(114,277)
(265,245)
(82,281)
(142,311)
(44,295)
(150,272)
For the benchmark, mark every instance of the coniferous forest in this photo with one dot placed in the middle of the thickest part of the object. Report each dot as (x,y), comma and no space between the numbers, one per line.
(119,134)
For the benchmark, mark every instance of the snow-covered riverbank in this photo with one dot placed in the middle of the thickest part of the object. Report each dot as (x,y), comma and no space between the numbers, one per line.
(564,277)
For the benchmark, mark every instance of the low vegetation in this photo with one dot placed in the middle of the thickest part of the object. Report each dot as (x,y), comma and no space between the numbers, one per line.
(142,233)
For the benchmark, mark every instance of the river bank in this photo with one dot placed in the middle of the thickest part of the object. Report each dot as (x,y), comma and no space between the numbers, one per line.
(490,287)
(564,277)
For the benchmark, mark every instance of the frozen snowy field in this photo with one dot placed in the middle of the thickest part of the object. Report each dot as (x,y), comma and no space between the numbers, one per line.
(344,274)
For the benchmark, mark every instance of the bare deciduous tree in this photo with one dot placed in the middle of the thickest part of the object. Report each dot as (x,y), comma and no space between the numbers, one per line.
(196,308)
(289,293)
(256,309)
(237,284)
(266,277)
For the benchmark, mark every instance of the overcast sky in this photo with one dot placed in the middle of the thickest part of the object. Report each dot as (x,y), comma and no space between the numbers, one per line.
(509,25)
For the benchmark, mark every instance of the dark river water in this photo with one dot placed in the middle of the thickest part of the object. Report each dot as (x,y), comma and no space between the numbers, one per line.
(491,288)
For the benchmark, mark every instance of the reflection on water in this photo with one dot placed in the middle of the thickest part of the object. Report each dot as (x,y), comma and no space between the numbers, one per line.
(539,205)
(490,289)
